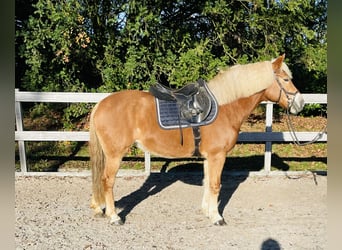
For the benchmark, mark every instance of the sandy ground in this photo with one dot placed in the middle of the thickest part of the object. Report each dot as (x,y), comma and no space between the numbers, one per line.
(163,212)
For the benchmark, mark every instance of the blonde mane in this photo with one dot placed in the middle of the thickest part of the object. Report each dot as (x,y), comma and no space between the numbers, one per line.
(243,81)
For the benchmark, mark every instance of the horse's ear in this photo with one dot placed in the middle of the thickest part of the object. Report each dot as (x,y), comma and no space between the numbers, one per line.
(277,63)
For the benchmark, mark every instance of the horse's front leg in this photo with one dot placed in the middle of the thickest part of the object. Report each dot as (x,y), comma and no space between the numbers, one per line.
(212,184)
(205,200)
(109,174)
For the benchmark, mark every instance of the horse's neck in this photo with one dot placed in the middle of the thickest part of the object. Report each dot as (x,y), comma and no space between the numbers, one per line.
(239,110)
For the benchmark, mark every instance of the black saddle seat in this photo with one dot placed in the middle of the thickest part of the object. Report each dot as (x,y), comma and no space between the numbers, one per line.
(193,100)
(168,94)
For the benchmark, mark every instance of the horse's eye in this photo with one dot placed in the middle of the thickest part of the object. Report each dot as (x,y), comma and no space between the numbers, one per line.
(286,79)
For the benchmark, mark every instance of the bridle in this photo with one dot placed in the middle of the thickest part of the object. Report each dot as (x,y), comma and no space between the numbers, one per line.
(288,94)
(289,122)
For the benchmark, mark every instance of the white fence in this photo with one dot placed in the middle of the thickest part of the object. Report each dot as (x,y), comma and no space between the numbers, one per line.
(69,97)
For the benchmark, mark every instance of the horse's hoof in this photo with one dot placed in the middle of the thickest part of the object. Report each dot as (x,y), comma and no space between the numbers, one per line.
(116,222)
(99,215)
(220,223)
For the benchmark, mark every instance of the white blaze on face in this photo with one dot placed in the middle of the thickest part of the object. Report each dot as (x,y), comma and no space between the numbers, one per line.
(297,104)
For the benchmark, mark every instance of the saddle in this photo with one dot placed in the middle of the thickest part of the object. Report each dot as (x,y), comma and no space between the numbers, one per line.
(190,106)
(194,101)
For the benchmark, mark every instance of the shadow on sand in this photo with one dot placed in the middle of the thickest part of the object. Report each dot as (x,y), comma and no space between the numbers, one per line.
(192,174)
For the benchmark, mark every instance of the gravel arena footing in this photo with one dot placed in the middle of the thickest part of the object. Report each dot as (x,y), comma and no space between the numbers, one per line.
(162,211)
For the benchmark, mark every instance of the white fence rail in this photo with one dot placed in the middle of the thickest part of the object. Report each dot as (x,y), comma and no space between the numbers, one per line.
(69,97)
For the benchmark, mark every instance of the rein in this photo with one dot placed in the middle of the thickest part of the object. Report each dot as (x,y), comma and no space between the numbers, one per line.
(289,120)
(293,132)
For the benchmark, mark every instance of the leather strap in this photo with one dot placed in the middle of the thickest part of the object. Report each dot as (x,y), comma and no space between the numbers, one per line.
(197,138)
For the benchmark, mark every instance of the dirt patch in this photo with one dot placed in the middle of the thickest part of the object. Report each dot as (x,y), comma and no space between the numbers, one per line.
(162,211)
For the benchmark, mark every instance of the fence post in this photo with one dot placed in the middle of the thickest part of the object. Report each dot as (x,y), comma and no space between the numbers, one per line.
(21,144)
(268,144)
(147,163)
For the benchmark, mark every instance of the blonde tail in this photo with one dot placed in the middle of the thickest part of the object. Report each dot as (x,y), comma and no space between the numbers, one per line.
(97,160)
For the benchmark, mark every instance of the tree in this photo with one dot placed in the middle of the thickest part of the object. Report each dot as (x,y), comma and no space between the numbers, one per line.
(109,45)
(57,48)
(22,12)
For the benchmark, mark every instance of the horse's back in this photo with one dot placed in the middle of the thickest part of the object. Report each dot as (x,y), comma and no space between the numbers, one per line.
(124,104)
(125,98)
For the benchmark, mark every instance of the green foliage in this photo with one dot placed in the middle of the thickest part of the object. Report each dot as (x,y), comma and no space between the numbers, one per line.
(55,46)
(73,112)
(104,46)
(314,109)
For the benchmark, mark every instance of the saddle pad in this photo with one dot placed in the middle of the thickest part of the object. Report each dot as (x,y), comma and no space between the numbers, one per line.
(168,115)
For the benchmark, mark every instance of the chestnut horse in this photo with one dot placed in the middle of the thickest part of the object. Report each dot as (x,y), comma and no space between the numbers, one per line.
(129,116)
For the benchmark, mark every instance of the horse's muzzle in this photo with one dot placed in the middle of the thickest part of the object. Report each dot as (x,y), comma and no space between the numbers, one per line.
(297,104)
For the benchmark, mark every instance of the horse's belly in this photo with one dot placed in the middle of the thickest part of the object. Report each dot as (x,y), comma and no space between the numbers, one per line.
(167,143)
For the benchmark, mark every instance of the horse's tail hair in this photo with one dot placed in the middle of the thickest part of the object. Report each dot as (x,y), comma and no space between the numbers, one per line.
(97,161)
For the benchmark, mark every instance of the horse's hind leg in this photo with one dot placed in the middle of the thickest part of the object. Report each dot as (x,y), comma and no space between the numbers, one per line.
(108,179)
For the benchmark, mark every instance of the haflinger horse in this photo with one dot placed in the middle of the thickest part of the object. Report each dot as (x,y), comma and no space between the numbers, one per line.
(127,117)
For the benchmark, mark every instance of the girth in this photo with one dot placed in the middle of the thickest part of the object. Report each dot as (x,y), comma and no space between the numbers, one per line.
(197,138)
(191,106)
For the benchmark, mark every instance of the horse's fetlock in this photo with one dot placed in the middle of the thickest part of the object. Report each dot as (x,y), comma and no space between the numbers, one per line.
(215,189)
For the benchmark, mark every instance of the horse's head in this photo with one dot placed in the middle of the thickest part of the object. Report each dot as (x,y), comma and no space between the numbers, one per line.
(282,90)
